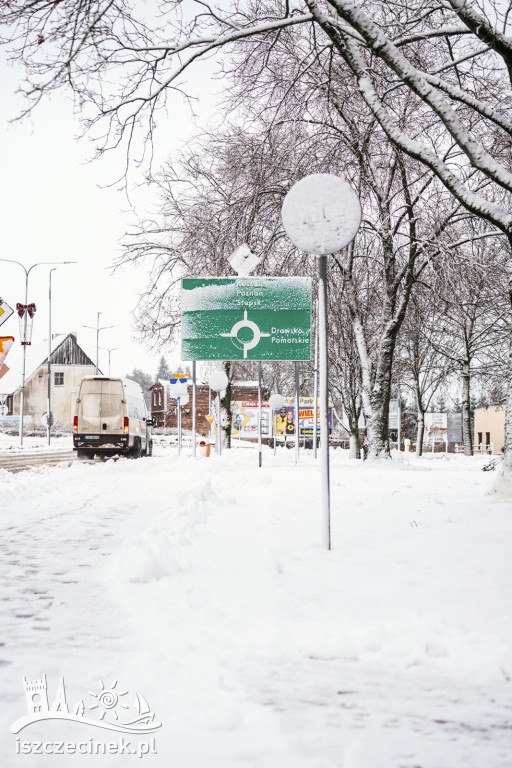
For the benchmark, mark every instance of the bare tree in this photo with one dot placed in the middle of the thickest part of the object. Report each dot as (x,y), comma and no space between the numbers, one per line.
(448,66)
(473,318)
(423,369)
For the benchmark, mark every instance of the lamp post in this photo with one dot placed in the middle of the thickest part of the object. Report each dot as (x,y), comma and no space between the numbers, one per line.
(48,408)
(24,344)
(113,349)
(98,329)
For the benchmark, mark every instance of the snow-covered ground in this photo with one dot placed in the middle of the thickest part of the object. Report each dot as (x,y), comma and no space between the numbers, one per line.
(202,584)
(10,444)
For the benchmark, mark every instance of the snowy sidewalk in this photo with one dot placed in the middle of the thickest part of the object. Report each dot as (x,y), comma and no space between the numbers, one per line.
(202,584)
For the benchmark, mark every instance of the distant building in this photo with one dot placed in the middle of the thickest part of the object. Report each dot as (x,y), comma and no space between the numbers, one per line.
(159,402)
(489,429)
(69,364)
(165,411)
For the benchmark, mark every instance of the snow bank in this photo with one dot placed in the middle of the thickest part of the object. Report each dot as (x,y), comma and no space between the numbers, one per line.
(204,584)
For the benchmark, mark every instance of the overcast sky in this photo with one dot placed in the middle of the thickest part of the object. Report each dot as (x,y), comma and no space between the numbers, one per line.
(53,208)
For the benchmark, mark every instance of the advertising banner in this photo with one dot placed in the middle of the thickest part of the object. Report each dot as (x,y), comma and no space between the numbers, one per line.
(244,418)
(285,422)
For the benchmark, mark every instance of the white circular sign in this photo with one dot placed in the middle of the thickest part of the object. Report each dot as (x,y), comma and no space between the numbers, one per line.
(276,402)
(218,381)
(321,213)
(44,419)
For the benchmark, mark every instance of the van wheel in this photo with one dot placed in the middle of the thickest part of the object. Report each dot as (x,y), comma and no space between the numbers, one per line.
(82,454)
(150,448)
(136,450)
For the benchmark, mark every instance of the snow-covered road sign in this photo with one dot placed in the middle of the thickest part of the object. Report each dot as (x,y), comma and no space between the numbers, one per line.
(243,260)
(6,343)
(263,318)
(5,311)
(178,384)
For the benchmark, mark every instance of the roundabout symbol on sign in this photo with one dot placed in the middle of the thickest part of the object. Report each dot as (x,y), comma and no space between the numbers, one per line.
(241,343)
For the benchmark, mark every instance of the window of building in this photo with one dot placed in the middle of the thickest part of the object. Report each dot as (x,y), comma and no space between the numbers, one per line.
(480,438)
(487,438)
(58,379)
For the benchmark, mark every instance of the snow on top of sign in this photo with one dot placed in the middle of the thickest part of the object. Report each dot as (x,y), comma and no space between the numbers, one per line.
(321,213)
(284,291)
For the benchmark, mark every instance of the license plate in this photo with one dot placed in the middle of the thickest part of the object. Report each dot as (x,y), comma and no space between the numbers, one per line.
(91,437)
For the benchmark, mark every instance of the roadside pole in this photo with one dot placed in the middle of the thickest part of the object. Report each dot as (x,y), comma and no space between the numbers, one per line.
(297,453)
(218,381)
(275,402)
(315,391)
(324,400)
(259,415)
(179,425)
(219,435)
(321,215)
(399,412)
(194,437)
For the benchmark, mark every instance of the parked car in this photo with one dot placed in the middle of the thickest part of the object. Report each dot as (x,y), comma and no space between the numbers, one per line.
(111,418)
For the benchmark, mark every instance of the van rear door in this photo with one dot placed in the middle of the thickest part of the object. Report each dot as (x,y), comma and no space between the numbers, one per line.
(101,409)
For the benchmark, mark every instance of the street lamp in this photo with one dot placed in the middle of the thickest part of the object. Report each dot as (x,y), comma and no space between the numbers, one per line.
(48,408)
(24,342)
(113,349)
(98,329)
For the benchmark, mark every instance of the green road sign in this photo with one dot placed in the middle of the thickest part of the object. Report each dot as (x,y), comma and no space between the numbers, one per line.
(246,318)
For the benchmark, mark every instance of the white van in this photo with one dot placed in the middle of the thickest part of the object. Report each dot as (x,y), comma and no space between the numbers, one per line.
(111,418)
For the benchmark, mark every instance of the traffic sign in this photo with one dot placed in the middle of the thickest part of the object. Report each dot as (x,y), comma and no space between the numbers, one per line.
(181,399)
(245,318)
(178,385)
(6,343)
(44,419)
(5,311)
(210,418)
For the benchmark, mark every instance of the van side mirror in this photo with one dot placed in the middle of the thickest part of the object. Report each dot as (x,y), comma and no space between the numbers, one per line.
(150,422)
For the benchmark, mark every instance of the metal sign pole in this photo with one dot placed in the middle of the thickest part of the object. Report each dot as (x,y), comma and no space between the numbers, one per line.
(324,399)
(259,415)
(399,413)
(219,437)
(209,410)
(49,372)
(315,391)
(179,426)
(321,215)
(194,440)
(24,365)
(297,457)
(274,419)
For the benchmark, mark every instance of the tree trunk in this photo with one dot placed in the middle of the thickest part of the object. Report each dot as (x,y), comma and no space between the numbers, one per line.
(421,431)
(376,403)
(467,437)
(355,448)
